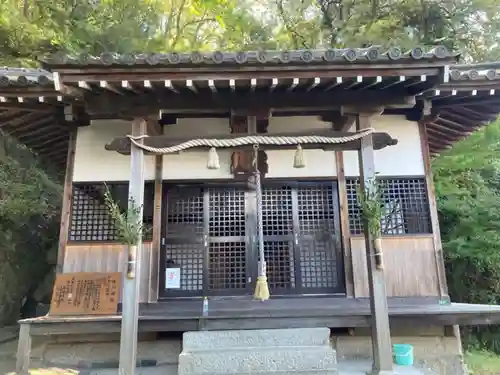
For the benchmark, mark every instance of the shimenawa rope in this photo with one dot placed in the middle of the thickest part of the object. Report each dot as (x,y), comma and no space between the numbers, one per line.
(248,141)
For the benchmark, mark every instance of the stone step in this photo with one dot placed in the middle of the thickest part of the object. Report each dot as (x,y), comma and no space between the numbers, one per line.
(210,340)
(308,372)
(260,360)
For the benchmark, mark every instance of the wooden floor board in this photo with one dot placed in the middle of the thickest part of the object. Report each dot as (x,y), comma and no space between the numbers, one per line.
(184,315)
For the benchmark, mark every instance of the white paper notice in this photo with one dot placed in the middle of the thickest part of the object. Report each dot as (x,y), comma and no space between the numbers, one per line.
(173,278)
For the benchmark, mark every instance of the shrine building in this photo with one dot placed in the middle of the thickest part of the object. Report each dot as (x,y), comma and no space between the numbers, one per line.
(380,114)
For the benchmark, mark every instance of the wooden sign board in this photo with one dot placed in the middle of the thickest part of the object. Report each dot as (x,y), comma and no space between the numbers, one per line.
(86,293)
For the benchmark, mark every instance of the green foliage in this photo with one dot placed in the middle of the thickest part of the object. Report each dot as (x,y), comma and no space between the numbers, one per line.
(30,201)
(129,225)
(30,29)
(371,206)
(468,193)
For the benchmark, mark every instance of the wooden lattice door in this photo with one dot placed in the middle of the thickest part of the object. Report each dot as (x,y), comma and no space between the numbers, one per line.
(210,234)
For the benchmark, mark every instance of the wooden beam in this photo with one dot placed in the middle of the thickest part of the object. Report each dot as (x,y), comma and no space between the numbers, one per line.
(438,249)
(463,119)
(48,108)
(66,203)
(438,136)
(107,86)
(380,140)
(449,102)
(19,120)
(470,112)
(47,143)
(157,226)
(488,110)
(340,122)
(130,306)
(344,224)
(442,133)
(49,150)
(445,129)
(145,105)
(444,126)
(40,133)
(154,127)
(380,329)
(60,87)
(226,73)
(127,86)
(15,132)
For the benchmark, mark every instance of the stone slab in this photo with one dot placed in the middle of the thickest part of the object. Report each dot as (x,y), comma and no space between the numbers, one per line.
(258,360)
(308,372)
(209,340)
(163,351)
(363,367)
(163,370)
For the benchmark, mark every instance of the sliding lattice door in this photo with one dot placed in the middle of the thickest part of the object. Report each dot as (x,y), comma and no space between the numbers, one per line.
(211,235)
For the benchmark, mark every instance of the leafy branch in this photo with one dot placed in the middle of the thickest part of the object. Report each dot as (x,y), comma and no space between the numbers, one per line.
(129,225)
(371,206)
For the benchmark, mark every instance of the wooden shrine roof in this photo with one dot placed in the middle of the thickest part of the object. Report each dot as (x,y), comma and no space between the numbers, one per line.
(31,111)
(39,106)
(469,100)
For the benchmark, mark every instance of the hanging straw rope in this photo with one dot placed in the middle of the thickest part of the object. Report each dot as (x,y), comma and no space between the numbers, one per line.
(261,288)
(249,140)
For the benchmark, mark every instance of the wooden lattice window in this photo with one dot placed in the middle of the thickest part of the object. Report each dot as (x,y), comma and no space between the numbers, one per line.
(405,202)
(90,220)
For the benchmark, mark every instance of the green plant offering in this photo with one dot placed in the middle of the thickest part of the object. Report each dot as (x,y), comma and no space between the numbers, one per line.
(129,225)
(371,207)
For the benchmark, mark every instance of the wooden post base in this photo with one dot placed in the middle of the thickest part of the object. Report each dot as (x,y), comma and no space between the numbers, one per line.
(23,349)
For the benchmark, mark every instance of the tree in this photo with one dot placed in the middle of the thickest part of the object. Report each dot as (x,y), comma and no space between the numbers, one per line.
(30,199)
(467,180)
(469,26)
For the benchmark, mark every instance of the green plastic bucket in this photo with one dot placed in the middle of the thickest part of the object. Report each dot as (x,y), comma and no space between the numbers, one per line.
(403,354)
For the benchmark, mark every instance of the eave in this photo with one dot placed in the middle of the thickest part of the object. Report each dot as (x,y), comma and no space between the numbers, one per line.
(458,98)
(468,100)
(31,111)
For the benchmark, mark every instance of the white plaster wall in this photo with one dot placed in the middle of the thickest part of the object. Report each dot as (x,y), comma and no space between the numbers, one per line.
(94,163)
(403,159)
(193,164)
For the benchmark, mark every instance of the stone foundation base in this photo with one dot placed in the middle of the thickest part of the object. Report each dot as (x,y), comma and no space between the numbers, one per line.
(435,349)
(94,351)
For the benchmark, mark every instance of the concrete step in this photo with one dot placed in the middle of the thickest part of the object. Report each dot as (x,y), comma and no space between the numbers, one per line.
(262,338)
(260,360)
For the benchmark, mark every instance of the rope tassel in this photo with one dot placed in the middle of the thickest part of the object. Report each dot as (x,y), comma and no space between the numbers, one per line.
(213,159)
(298,160)
(261,288)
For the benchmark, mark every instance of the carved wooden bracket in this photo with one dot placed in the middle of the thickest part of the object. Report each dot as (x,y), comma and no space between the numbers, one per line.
(241,160)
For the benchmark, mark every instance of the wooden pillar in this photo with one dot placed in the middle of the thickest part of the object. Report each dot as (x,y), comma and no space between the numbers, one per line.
(436,233)
(23,349)
(380,330)
(155,266)
(130,305)
(344,224)
(67,199)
